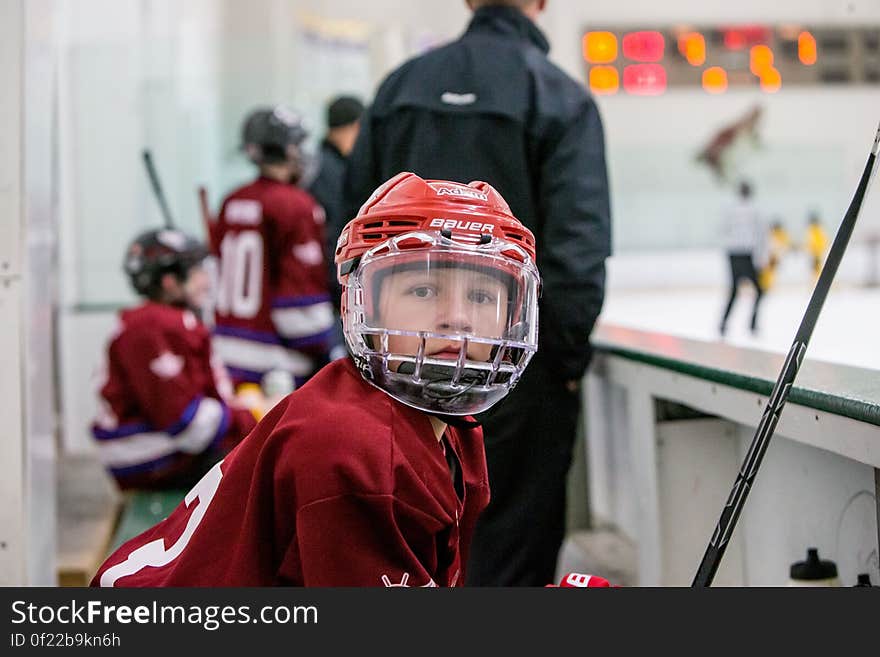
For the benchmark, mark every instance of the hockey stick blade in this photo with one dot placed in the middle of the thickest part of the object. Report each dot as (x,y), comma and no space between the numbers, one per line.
(764,432)
(157,189)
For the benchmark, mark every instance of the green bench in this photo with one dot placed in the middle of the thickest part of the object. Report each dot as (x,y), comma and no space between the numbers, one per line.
(142,510)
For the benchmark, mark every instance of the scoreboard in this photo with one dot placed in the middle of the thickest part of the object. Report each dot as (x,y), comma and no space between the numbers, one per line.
(647,62)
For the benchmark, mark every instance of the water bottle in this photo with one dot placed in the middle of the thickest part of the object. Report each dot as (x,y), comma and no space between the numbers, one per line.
(813,571)
(276,384)
(864,579)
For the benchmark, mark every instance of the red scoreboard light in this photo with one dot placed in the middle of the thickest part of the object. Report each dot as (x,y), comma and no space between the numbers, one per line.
(737,38)
(644,79)
(644,46)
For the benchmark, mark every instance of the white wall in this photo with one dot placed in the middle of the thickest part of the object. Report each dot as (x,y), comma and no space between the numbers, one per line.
(12,447)
(28,300)
(134,75)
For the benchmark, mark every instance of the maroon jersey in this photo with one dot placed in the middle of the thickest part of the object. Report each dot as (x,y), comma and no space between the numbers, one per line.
(163,399)
(273,308)
(339,485)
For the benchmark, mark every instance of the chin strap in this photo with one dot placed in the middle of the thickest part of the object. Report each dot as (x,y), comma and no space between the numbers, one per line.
(457,421)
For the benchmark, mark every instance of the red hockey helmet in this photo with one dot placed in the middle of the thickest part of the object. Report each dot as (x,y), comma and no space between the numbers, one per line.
(439,304)
(154,253)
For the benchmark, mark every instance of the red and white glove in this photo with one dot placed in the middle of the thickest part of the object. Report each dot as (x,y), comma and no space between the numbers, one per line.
(580,581)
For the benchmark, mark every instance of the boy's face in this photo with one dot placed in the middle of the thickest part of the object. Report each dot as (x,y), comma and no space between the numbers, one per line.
(197,288)
(443,300)
(193,292)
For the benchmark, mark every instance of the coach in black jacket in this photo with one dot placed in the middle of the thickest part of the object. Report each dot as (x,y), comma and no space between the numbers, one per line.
(492,107)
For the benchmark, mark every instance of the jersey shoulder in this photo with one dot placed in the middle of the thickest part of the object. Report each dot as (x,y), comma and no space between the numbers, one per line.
(158,318)
(269,202)
(297,205)
(338,435)
(140,331)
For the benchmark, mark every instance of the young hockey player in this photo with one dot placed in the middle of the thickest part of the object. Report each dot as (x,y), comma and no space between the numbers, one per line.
(816,243)
(372,473)
(165,418)
(273,308)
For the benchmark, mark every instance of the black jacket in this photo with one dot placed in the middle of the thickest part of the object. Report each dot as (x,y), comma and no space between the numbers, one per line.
(327,190)
(491,106)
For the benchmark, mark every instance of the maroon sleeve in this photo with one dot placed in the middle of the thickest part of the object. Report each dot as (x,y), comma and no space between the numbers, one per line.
(222,534)
(241,423)
(366,540)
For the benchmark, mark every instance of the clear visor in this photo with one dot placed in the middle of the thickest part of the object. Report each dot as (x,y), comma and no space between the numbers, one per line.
(441,325)
(449,292)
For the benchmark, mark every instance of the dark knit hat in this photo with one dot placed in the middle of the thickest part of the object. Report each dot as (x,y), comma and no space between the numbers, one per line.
(343,110)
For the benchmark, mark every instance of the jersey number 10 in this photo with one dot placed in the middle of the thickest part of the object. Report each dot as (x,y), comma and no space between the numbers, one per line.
(240,283)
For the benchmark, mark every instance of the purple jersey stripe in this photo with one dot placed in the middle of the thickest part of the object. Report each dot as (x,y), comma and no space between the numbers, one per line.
(127,430)
(121,432)
(322,338)
(299,302)
(266,337)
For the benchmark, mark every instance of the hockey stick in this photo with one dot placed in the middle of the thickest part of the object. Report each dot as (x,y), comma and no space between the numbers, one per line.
(157,189)
(779,395)
(207,218)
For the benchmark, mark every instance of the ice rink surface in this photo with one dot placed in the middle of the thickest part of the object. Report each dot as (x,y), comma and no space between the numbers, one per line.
(846,332)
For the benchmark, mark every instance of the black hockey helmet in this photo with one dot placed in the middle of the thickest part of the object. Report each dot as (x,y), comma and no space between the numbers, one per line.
(272,135)
(155,253)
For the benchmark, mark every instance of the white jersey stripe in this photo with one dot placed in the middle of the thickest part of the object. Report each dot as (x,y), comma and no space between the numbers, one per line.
(303,322)
(145,447)
(260,357)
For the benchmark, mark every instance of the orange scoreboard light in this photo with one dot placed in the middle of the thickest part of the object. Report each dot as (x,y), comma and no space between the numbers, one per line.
(715,80)
(604,80)
(692,46)
(715,59)
(600,47)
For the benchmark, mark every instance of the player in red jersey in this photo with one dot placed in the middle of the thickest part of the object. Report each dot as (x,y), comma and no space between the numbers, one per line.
(273,308)
(165,417)
(372,473)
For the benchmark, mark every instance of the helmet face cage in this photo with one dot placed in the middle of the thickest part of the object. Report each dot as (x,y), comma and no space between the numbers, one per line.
(443,325)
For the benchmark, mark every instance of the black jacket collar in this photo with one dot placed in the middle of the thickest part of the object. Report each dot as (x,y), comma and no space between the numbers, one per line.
(328,145)
(509,21)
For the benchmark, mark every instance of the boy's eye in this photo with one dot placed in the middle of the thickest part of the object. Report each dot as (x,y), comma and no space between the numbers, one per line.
(481,297)
(422,291)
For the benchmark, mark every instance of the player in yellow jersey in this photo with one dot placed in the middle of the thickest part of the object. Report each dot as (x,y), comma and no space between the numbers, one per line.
(816,242)
(778,244)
